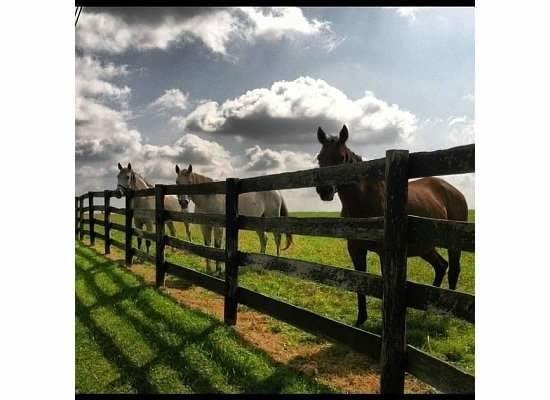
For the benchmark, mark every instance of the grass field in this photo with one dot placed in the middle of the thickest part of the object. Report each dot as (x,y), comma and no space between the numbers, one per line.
(130,338)
(438,334)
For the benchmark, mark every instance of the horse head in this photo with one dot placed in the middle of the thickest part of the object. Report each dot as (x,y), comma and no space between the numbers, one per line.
(333,152)
(125,180)
(183,178)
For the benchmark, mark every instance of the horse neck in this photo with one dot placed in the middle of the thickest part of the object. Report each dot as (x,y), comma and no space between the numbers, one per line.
(205,202)
(140,183)
(361,199)
(142,202)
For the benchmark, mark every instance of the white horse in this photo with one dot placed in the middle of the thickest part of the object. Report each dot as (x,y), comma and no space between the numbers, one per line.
(129,179)
(256,204)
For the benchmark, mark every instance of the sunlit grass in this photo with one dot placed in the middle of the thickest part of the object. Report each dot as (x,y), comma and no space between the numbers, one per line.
(448,338)
(130,338)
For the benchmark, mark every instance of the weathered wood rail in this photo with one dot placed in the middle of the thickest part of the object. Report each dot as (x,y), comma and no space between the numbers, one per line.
(396,230)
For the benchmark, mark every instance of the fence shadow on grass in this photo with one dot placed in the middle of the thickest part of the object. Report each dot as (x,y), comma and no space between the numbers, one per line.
(205,355)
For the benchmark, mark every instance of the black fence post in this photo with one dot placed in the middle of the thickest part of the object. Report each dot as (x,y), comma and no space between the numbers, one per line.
(81,220)
(231,249)
(159,248)
(394,273)
(107,220)
(76,217)
(128,227)
(91,215)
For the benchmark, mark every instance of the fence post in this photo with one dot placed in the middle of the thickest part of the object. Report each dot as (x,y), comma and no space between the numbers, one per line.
(76,216)
(231,248)
(107,220)
(81,220)
(394,272)
(91,215)
(128,227)
(159,221)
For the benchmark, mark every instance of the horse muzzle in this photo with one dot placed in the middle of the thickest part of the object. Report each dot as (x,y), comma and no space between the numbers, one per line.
(119,192)
(184,203)
(326,193)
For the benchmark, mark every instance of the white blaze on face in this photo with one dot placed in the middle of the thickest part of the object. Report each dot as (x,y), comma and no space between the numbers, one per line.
(183,179)
(123,178)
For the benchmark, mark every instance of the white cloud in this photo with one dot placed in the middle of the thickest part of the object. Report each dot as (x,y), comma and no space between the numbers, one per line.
(267,161)
(410,13)
(468,98)
(102,132)
(466,184)
(210,158)
(407,12)
(118,31)
(172,100)
(109,33)
(292,110)
(439,133)
(276,22)
(92,80)
(461,130)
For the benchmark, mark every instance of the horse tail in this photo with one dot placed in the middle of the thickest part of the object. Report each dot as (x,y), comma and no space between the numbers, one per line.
(284,213)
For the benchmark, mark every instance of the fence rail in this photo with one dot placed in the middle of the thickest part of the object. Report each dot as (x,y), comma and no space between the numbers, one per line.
(349,228)
(193,218)
(395,230)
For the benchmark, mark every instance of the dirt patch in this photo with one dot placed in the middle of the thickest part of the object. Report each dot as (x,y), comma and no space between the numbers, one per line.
(334,365)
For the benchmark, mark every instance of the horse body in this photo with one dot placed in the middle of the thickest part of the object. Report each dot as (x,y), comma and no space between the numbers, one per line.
(256,204)
(427,197)
(129,179)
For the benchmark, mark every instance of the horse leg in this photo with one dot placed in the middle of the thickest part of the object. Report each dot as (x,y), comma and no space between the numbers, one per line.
(140,227)
(171,228)
(263,241)
(454,268)
(207,235)
(439,265)
(218,234)
(147,241)
(188,231)
(277,237)
(358,254)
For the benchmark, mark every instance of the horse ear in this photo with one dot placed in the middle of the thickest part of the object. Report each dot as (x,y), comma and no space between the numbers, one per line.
(321,135)
(190,169)
(177,169)
(344,134)
(129,166)
(119,166)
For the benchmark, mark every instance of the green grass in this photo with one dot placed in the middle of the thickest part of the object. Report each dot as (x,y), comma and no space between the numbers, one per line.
(130,338)
(447,338)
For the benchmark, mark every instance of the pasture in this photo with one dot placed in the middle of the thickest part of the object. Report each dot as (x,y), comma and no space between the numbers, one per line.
(449,339)
(130,338)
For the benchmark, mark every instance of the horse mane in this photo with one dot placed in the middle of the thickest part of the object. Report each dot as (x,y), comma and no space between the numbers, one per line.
(353,156)
(143,179)
(198,178)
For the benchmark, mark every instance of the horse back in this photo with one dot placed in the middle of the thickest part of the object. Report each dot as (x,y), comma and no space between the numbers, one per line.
(435,198)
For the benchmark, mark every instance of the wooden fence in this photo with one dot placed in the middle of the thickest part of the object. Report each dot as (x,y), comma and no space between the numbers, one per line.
(395,229)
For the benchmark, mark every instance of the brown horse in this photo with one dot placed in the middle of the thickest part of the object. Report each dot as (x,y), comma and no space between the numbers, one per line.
(427,197)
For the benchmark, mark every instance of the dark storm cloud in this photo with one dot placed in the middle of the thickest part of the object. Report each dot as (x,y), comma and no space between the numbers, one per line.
(267,129)
(151,15)
(98,151)
(82,122)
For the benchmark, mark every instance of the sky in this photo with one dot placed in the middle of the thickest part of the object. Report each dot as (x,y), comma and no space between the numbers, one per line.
(240,92)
